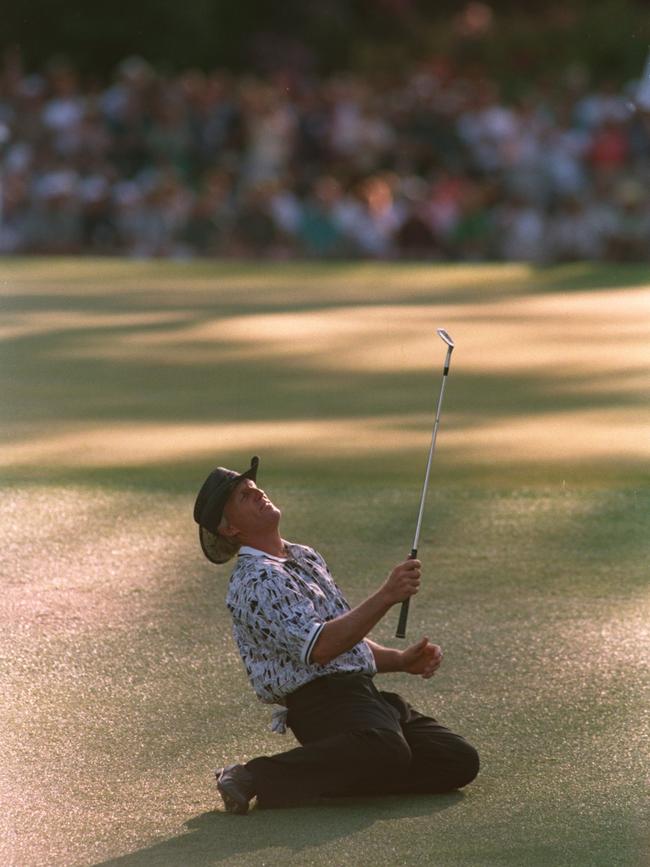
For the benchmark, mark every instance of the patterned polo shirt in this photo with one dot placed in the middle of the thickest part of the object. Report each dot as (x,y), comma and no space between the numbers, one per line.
(279,607)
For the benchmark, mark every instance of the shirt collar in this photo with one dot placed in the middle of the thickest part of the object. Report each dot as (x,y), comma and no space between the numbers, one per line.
(255,552)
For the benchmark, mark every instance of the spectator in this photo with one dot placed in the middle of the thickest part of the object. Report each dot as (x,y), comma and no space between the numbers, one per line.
(321,228)
(577,231)
(520,231)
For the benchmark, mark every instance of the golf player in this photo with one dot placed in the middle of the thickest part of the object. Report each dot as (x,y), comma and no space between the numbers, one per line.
(307,651)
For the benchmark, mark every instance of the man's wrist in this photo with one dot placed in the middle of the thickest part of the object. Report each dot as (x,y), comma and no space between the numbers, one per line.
(394,660)
(383,597)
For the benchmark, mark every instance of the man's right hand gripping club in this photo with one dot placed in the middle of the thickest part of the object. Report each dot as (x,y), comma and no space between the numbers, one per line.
(403,581)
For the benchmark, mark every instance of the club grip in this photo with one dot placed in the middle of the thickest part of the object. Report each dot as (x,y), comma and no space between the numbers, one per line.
(400,632)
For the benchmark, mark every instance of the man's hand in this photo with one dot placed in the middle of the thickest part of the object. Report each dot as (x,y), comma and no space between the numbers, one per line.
(403,581)
(422,658)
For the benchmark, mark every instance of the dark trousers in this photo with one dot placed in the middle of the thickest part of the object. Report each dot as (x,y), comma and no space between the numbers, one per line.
(356,740)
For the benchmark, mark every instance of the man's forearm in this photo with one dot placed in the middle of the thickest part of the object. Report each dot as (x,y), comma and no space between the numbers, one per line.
(386,658)
(344,632)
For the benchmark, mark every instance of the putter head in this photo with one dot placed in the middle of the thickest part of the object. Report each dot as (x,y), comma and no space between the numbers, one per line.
(444,335)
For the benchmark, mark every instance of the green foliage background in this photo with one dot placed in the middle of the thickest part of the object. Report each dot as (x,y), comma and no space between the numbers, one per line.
(610,37)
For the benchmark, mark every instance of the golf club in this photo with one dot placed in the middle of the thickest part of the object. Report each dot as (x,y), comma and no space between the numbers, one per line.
(404,612)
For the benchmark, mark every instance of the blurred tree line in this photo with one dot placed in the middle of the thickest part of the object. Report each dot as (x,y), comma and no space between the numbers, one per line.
(511,38)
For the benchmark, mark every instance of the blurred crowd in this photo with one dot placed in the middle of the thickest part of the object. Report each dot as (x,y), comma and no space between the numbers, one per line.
(435,163)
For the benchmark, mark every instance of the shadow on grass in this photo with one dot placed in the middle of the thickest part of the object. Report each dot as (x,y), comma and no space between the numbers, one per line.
(589,276)
(217,837)
(39,387)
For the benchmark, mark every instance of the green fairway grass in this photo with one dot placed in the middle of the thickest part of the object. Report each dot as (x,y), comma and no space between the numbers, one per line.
(124,383)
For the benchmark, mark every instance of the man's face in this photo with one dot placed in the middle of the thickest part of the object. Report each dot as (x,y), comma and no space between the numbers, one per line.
(249,511)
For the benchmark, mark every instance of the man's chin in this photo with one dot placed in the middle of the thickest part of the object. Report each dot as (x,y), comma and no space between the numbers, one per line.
(271,516)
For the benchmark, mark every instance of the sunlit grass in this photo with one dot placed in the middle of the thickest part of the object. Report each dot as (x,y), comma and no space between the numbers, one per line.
(607,331)
(286,282)
(560,438)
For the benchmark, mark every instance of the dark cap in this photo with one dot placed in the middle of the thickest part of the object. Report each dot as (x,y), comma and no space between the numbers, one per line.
(209,506)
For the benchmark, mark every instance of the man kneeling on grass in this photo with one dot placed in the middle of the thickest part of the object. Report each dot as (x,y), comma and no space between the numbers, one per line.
(306,650)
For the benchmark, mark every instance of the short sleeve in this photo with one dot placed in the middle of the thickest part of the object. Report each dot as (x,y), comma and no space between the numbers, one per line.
(273,606)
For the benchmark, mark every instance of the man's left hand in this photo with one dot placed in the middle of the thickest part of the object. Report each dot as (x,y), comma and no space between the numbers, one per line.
(422,658)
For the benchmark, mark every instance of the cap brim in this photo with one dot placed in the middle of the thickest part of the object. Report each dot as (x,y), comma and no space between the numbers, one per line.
(216,548)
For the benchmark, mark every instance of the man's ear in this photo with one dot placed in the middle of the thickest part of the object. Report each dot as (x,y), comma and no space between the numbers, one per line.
(228,531)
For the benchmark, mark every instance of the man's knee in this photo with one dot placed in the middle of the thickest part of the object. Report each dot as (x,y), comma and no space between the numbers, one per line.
(467,766)
(450,768)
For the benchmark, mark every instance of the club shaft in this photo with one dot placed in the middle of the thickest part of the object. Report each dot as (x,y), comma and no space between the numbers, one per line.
(425,486)
(404,610)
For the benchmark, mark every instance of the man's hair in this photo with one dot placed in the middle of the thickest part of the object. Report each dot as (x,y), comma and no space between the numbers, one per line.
(226,546)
